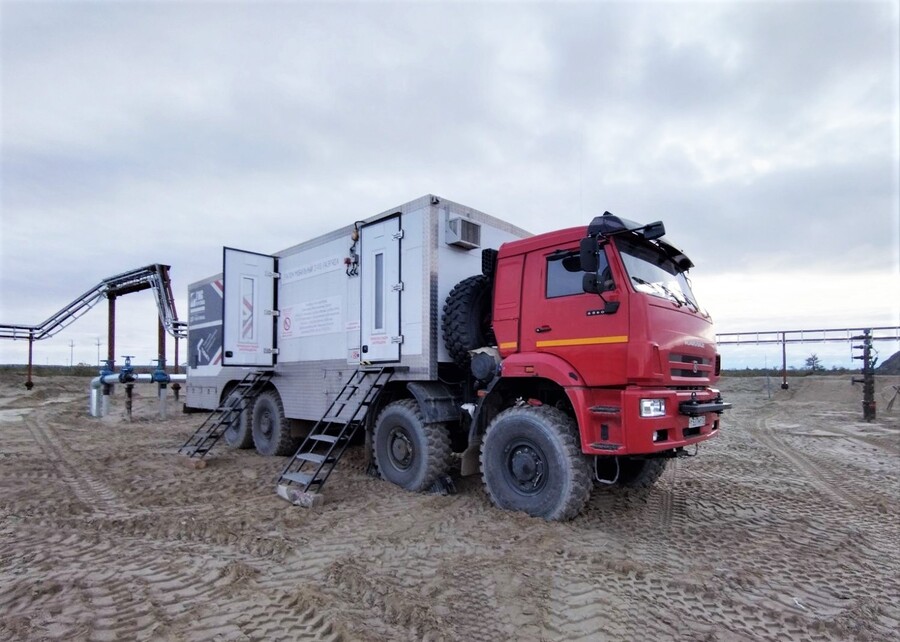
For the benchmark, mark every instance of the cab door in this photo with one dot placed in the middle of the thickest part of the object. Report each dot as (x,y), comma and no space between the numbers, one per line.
(559,318)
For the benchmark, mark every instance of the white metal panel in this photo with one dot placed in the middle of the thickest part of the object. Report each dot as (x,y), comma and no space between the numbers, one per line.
(415,302)
(313,303)
(381,288)
(429,267)
(247,323)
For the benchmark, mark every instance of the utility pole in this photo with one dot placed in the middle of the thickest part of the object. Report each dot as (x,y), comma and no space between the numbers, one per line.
(98,352)
(71,352)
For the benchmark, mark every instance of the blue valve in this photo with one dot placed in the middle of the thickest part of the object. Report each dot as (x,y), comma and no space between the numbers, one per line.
(127,373)
(160,375)
(108,367)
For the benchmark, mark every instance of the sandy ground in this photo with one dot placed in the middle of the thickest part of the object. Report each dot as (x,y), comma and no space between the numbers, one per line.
(786,527)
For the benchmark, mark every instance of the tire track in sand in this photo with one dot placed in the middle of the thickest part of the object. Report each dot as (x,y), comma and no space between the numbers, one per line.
(879,530)
(274,617)
(766,436)
(92,493)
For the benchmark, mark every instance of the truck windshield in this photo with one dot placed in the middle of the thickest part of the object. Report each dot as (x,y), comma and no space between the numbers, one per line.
(652,272)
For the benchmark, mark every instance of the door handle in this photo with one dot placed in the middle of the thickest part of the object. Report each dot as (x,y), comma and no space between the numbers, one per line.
(543,328)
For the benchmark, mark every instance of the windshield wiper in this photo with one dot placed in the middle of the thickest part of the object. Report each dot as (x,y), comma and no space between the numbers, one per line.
(692,303)
(659,286)
(672,294)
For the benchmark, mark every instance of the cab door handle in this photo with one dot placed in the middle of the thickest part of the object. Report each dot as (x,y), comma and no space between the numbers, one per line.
(543,328)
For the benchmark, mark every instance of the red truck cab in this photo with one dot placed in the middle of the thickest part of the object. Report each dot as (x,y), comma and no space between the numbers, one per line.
(621,333)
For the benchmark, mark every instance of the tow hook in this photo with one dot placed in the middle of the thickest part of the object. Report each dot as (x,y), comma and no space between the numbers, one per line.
(681,452)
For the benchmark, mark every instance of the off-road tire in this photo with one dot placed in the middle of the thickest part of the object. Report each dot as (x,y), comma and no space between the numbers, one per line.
(640,473)
(271,430)
(240,433)
(467,318)
(409,452)
(531,462)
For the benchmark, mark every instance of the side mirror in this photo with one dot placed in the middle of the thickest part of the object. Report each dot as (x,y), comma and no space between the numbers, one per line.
(596,284)
(654,230)
(588,250)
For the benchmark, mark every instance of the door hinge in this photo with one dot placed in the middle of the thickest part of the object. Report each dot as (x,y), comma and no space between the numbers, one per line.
(270,350)
(397,339)
(273,275)
(271,313)
(397,235)
(398,287)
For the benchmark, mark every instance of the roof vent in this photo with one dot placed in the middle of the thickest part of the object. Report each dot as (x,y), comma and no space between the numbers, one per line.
(463,233)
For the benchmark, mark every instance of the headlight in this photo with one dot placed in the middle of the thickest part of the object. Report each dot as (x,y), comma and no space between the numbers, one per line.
(653,407)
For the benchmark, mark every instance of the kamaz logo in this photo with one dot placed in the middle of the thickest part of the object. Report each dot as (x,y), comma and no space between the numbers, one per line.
(694,344)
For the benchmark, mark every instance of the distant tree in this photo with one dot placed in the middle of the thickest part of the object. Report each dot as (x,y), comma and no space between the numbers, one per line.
(813,363)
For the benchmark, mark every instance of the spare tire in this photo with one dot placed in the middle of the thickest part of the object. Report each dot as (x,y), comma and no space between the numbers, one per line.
(467,318)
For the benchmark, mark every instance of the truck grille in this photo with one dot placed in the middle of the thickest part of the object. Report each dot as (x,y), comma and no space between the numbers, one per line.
(688,365)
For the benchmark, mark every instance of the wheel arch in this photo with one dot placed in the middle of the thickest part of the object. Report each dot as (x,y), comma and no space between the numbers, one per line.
(438,402)
(506,390)
(542,365)
(502,393)
(232,384)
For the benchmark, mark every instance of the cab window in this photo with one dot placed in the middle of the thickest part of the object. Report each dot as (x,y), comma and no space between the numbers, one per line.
(564,275)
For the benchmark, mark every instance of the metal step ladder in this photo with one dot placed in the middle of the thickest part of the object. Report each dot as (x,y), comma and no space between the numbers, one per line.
(220,419)
(302,479)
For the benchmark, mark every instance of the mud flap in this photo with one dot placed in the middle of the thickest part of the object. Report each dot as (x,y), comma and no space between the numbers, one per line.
(470,463)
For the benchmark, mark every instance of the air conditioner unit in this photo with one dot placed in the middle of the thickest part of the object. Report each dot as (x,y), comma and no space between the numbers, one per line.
(464,233)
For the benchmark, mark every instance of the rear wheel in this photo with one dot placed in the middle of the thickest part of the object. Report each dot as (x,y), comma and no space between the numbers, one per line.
(239,433)
(531,462)
(408,451)
(271,431)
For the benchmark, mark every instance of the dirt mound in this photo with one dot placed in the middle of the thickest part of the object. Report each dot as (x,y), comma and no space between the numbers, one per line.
(891,366)
(833,390)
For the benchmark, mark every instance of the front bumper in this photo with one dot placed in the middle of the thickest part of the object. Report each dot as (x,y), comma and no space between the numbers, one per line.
(695,407)
(611,423)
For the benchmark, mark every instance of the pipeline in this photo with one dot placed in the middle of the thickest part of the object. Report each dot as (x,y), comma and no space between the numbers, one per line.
(101,387)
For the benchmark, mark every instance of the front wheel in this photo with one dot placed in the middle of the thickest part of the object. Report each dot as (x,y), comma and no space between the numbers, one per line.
(631,472)
(531,462)
(640,473)
(408,451)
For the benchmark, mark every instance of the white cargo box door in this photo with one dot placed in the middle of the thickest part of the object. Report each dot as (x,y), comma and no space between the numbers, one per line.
(248,327)
(380,287)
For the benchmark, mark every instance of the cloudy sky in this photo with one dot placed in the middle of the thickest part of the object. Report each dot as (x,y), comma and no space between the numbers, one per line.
(764,134)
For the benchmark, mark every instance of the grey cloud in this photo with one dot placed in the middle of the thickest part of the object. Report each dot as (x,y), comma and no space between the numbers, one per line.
(159,132)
